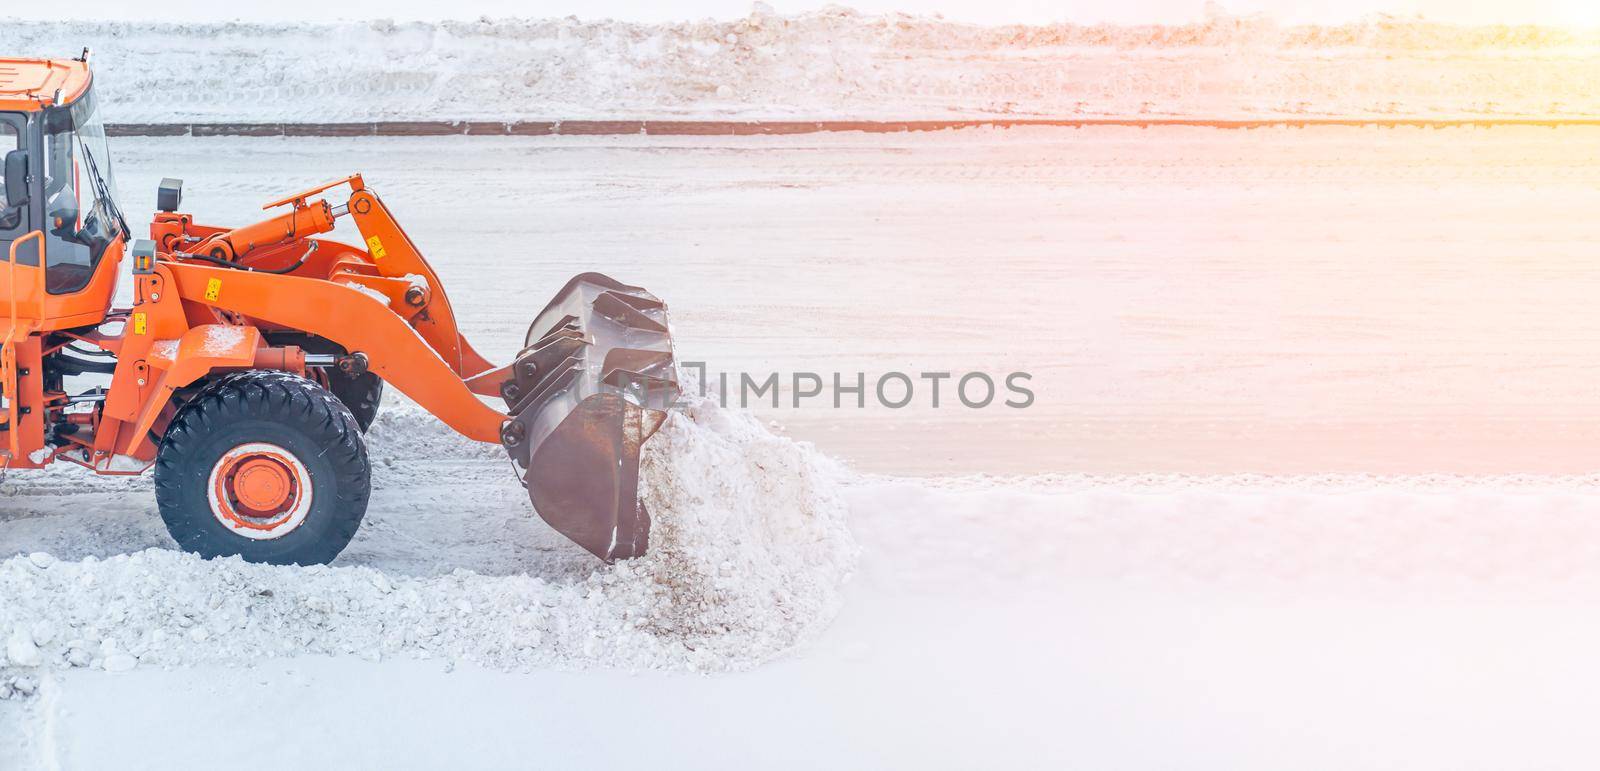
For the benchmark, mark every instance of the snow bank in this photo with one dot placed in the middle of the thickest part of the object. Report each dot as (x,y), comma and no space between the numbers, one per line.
(749,551)
(834,63)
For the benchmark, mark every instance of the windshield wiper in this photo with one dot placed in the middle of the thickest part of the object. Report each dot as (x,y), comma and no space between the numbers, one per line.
(103,192)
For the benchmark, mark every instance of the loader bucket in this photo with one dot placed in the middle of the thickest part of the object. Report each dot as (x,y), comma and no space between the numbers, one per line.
(593,382)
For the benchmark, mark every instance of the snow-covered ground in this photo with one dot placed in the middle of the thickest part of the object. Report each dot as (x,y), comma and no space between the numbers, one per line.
(829,64)
(1128,623)
(1373,302)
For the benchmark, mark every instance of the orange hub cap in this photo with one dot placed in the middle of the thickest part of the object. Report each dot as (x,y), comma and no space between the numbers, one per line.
(259,490)
(262,483)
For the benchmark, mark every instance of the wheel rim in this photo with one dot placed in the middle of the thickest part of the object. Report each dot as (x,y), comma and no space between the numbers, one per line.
(260,491)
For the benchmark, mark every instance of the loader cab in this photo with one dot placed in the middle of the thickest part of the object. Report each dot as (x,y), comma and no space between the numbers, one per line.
(58,201)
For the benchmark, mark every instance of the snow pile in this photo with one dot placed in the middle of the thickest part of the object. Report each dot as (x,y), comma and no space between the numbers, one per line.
(749,551)
(834,63)
(751,505)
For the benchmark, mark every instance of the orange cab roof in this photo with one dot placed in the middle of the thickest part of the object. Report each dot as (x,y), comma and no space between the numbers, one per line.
(30,84)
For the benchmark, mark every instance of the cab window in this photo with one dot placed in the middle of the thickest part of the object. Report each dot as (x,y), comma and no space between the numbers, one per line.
(80,219)
(10,139)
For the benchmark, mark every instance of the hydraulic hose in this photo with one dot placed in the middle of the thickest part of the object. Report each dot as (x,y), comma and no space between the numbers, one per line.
(236,266)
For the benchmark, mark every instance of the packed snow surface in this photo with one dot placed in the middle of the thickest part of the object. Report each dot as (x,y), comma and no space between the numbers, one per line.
(833,63)
(748,553)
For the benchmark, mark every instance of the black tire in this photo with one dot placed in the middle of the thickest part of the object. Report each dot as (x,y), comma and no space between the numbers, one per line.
(361,393)
(278,410)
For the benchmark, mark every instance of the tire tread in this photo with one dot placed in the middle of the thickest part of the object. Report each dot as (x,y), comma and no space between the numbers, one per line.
(276,396)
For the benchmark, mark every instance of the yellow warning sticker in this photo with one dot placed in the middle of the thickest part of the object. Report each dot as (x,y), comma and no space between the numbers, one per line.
(213,289)
(376,247)
(138,323)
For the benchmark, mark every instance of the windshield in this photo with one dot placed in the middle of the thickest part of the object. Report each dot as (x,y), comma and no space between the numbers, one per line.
(81,215)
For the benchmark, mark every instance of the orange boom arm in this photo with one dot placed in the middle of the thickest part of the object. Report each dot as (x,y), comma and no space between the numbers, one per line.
(357,321)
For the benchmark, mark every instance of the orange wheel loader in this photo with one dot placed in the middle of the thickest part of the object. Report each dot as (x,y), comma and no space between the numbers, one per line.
(252,358)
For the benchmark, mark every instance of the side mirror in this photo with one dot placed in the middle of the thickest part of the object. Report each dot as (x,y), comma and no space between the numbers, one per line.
(16,172)
(169,195)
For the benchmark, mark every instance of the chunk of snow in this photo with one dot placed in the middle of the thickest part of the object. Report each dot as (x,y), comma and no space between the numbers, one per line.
(221,339)
(165,349)
(40,455)
(120,662)
(123,464)
(21,650)
(368,291)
